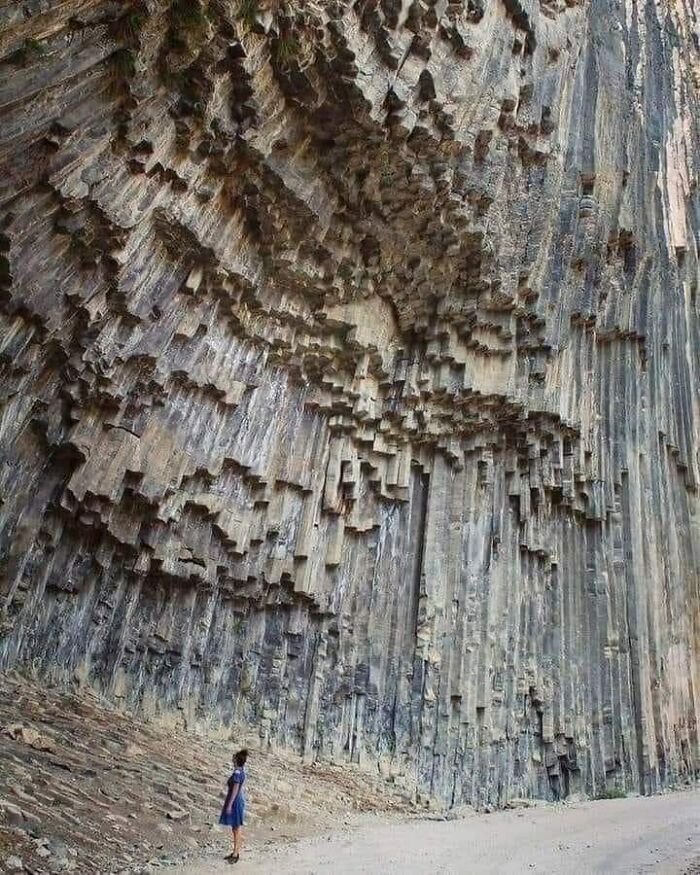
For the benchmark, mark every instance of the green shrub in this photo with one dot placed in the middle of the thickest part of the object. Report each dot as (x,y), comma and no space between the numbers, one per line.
(126,28)
(189,17)
(122,64)
(31,50)
(33,47)
(611,793)
(248,11)
(286,48)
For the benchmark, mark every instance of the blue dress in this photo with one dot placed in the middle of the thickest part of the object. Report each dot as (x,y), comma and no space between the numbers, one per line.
(235,817)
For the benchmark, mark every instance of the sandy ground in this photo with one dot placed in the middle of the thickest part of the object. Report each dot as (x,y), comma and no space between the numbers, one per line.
(660,834)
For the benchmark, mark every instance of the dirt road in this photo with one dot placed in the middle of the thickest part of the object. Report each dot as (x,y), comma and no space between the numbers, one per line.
(659,835)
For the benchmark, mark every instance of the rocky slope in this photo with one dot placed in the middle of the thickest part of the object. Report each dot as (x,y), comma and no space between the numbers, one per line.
(84,788)
(350,357)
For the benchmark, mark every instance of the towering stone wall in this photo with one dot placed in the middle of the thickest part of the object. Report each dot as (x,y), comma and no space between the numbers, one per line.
(350,361)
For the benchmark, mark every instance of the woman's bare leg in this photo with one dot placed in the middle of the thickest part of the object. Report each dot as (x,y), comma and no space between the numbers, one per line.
(237,840)
(233,839)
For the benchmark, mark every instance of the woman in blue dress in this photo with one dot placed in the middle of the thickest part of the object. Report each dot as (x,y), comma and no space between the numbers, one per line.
(233,812)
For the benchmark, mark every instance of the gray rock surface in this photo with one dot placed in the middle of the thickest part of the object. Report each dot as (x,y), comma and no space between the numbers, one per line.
(349,358)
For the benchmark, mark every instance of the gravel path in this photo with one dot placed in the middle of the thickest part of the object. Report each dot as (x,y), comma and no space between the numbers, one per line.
(660,834)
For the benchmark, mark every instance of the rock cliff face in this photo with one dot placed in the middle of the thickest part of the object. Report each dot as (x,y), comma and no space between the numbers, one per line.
(350,365)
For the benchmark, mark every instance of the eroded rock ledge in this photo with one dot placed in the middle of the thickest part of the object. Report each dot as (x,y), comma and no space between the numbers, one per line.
(350,357)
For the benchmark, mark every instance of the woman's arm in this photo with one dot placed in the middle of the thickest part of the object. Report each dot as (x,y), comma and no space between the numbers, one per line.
(236,789)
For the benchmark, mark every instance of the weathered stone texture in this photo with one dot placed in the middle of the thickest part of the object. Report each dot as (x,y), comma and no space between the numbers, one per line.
(350,358)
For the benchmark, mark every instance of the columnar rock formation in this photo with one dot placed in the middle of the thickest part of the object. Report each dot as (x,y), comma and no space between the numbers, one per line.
(350,357)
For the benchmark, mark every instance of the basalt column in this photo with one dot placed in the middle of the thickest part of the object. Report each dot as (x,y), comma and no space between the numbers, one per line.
(349,366)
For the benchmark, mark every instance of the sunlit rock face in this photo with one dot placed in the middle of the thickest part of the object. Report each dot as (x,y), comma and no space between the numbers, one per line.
(350,365)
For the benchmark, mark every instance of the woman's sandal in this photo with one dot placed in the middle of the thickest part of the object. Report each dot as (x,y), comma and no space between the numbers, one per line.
(232,858)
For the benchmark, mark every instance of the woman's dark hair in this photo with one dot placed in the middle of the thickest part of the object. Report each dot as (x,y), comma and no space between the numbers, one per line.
(241,758)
